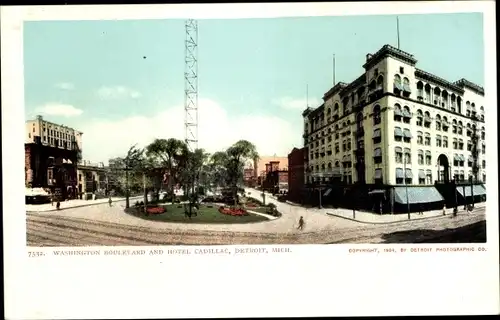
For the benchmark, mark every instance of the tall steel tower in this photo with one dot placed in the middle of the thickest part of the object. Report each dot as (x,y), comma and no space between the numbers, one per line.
(191,85)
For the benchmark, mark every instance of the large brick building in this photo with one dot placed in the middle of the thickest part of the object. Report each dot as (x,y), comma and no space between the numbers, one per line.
(51,153)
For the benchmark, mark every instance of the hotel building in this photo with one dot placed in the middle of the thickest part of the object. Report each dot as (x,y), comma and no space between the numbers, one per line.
(396,126)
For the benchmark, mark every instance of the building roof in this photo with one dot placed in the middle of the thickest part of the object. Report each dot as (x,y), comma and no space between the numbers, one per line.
(464,83)
(438,80)
(388,50)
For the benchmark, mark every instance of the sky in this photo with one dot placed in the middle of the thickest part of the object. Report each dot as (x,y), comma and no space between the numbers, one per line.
(121,82)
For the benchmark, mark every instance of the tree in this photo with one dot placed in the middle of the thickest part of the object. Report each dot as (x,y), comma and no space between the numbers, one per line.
(191,163)
(238,153)
(218,169)
(131,162)
(168,153)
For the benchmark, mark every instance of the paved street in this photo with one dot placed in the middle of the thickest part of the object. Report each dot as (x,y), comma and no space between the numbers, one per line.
(104,225)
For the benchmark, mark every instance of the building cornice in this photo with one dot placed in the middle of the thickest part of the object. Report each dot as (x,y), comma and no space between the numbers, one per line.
(336,88)
(423,75)
(353,85)
(388,50)
(464,83)
(307,111)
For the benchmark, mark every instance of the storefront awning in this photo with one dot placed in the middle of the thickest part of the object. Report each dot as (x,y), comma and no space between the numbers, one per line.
(477,189)
(417,195)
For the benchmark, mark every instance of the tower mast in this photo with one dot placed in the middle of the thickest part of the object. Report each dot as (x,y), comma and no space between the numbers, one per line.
(191,84)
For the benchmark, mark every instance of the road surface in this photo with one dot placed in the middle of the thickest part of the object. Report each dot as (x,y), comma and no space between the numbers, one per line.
(71,229)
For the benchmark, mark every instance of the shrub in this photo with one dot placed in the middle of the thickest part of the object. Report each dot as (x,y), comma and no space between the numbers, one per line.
(233,211)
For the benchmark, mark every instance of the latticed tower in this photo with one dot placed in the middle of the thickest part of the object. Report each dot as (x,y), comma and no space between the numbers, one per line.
(191,85)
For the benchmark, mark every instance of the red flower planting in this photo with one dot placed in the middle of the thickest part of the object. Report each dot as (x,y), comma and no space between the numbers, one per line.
(233,211)
(155,210)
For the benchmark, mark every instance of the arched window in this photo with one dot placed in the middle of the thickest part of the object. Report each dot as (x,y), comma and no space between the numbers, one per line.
(420,91)
(420,117)
(427,93)
(398,113)
(377,119)
(380,83)
(406,87)
(453,101)
(437,96)
(467,109)
(460,127)
(444,102)
(406,114)
(454,126)
(359,120)
(427,119)
(336,107)
(398,86)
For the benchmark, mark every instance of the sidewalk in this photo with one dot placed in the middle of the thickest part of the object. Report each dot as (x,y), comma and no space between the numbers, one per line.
(372,218)
(76,203)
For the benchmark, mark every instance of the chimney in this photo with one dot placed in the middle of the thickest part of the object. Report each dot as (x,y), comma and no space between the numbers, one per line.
(368,56)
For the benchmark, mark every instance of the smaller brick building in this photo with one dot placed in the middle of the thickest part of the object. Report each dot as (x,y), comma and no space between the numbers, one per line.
(296,177)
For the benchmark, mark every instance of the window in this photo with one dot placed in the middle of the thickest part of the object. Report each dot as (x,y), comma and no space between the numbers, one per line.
(407,135)
(454,126)
(406,114)
(420,156)
(378,176)
(337,148)
(460,144)
(33,129)
(376,115)
(398,113)
(428,176)
(29,135)
(399,154)
(377,155)
(377,138)
(420,137)
(408,176)
(348,145)
(427,139)
(455,143)
(420,117)
(80,177)
(407,156)
(483,149)
(399,175)
(421,177)
(398,134)
(401,70)
(445,142)
(344,146)
(398,87)
(406,88)
(438,140)
(484,164)
(428,158)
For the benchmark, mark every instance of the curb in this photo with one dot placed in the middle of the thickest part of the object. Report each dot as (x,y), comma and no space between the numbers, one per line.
(81,206)
(393,222)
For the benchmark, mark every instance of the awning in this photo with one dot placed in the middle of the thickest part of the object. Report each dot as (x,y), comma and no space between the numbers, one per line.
(327,192)
(399,149)
(346,158)
(378,173)
(398,112)
(428,171)
(427,152)
(406,88)
(406,113)
(471,159)
(477,189)
(398,132)
(399,173)
(377,152)
(417,195)
(462,158)
(398,85)
(421,174)
(407,133)
(377,191)
(409,174)
(376,133)
(456,157)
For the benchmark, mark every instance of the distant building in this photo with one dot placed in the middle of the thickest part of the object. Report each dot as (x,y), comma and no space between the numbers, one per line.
(260,170)
(296,174)
(51,154)
(92,179)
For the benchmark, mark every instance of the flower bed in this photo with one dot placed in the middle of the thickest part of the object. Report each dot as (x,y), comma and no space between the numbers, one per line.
(155,210)
(233,211)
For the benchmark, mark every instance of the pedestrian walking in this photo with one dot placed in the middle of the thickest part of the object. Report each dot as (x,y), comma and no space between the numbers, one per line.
(421,209)
(444,210)
(301,223)
(58,205)
(110,201)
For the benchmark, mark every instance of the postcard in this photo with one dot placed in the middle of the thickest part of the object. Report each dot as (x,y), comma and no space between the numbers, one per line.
(182,151)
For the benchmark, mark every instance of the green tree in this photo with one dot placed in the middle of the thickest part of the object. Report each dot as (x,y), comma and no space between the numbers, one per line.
(238,154)
(167,152)
(191,164)
(131,163)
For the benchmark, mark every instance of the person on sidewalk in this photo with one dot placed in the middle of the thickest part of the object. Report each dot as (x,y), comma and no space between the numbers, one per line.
(421,209)
(110,201)
(444,209)
(58,205)
(301,223)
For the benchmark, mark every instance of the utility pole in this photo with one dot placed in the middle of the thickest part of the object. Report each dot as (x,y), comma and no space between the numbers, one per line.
(397,26)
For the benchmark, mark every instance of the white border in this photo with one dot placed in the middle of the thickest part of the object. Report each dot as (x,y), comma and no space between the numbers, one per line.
(313,281)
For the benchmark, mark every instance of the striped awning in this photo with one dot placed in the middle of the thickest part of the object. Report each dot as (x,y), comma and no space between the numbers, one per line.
(406,87)
(399,173)
(407,133)
(477,190)
(409,174)
(377,152)
(398,85)
(346,158)
(398,132)
(398,112)
(428,152)
(456,157)
(399,149)
(421,174)
(417,195)
(406,113)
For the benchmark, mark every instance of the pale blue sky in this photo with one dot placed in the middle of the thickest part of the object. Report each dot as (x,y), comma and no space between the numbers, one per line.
(245,66)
